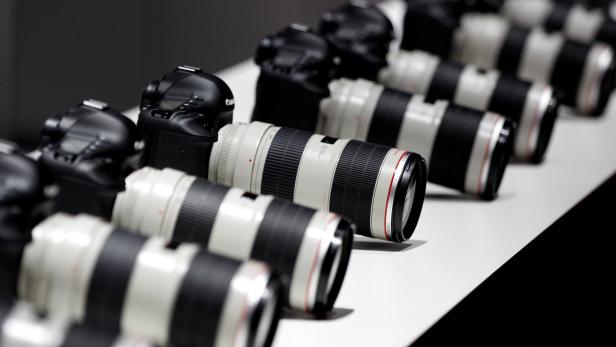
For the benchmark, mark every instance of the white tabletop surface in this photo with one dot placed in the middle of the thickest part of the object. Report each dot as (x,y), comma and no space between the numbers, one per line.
(394,292)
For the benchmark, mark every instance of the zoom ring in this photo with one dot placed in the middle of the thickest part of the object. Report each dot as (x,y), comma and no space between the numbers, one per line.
(111,277)
(206,302)
(452,147)
(82,335)
(354,182)
(388,117)
(198,212)
(282,162)
(280,236)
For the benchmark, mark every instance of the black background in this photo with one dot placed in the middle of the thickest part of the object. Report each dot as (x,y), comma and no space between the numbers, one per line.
(53,54)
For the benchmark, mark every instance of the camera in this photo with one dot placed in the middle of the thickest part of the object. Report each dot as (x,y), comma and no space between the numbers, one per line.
(22,326)
(466,150)
(584,73)
(179,118)
(21,188)
(84,149)
(93,272)
(83,268)
(378,188)
(575,20)
(361,35)
(310,249)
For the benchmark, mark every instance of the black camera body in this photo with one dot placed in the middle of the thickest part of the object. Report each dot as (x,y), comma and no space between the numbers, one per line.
(21,188)
(296,68)
(84,149)
(361,35)
(441,16)
(180,117)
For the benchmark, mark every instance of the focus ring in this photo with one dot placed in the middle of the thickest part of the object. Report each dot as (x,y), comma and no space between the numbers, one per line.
(198,212)
(226,144)
(512,49)
(444,83)
(354,182)
(556,19)
(283,158)
(569,69)
(509,97)
(110,278)
(80,335)
(452,146)
(388,117)
(198,307)
(280,236)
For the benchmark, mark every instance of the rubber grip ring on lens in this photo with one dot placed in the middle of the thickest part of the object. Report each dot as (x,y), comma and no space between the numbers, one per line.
(110,279)
(282,162)
(512,49)
(444,83)
(198,212)
(509,97)
(387,117)
(453,145)
(569,69)
(280,237)
(354,182)
(200,300)
(80,335)
(555,21)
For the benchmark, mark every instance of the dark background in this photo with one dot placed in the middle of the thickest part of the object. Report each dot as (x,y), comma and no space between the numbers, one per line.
(53,54)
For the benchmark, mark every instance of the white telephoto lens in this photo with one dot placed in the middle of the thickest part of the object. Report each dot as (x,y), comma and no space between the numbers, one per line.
(533,106)
(22,326)
(575,21)
(90,271)
(365,182)
(465,149)
(584,73)
(309,249)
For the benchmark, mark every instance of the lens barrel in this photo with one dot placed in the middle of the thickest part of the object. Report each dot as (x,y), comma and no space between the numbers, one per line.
(533,106)
(466,150)
(365,182)
(576,21)
(584,73)
(22,326)
(362,35)
(309,249)
(83,268)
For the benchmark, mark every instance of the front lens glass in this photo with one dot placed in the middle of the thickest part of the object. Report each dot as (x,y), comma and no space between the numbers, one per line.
(408,202)
(337,245)
(267,317)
